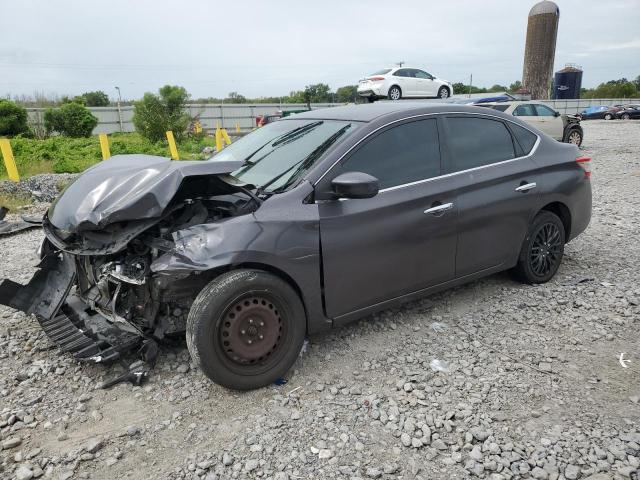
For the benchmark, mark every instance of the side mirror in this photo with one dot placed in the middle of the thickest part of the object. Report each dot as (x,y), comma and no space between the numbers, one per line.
(557,114)
(355,185)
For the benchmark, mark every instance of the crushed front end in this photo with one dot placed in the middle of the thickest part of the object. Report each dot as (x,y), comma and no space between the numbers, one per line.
(95,293)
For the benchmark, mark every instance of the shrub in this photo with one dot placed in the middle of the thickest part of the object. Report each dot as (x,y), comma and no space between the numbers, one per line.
(13,119)
(95,99)
(70,120)
(154,115)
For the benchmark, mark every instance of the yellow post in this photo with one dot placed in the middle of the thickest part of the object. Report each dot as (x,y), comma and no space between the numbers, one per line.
(198,127)
(225,135)
(104,146)
(9,162)
(237,127)
(219,145)
(172,146)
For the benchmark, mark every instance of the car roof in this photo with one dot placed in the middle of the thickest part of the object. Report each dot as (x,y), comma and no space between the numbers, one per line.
(371,111)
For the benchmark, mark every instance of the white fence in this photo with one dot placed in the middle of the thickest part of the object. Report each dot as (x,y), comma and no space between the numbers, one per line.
(229,115)
(210,115)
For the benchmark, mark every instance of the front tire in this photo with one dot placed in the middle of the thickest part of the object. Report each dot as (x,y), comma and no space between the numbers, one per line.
(371,99)
(608,116)
(575,137)
(394,93)
(443,92)
(626,116)
(542,249)
(245,329)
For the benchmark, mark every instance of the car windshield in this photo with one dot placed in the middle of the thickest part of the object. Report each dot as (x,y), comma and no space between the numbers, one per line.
(280,153)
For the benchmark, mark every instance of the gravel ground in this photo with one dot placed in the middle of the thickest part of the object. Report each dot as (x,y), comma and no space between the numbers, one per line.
(492,380)
(38,188)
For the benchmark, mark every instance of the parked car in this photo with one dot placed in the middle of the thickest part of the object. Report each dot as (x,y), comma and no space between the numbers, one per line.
(304,224)
(600,112)
(564,128)
(397,83)
(629,112)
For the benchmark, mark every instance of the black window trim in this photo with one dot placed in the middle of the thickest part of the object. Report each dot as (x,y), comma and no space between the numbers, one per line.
(446,175)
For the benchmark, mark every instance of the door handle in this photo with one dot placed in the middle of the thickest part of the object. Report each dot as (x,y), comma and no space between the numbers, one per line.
(526,187)
(439,208)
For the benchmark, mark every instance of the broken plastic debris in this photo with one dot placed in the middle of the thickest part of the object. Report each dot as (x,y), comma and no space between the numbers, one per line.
(439,365)
(280,381)
(439,327)
(304,347)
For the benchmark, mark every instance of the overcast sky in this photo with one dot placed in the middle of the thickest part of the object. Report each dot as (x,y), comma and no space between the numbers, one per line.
(268,48)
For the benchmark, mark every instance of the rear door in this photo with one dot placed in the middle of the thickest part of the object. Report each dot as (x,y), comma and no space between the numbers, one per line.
(398,242)
(404,79)
(549,121)
(496,186)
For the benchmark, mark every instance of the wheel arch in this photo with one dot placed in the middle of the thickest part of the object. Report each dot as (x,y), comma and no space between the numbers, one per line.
(563,212)
(281,274)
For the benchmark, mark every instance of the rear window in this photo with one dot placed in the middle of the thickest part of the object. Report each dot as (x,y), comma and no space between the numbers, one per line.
(475,142)
(500,108)
(524,137)
(381,72)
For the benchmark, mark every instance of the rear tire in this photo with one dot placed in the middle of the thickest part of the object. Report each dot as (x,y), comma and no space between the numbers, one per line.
(626,116)
(394,93)
(245,329)
(542,249)
(608,116)
(371,99)
(443,92)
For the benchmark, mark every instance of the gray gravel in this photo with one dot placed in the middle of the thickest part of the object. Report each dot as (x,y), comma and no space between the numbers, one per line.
(38,188)
(490,380)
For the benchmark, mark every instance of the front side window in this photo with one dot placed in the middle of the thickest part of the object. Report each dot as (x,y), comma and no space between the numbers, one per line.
(544,111)
(281,152)
(403,154)
(525,110)
(421,74)
(475,142)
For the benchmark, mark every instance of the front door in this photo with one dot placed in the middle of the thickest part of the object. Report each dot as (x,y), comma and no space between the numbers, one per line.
(425,86)
(398,242)
(549,121)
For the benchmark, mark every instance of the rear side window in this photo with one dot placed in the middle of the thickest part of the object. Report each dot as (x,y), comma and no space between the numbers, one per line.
(384,71)
(475,142)
(500,108)
(407,153)
(524,137)
(403,72)
(526,110)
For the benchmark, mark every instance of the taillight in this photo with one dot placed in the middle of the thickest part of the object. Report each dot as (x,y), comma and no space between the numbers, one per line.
(376,79)
(584,163)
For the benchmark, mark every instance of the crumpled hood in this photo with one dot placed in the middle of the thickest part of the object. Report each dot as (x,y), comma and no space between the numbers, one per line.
(126,187)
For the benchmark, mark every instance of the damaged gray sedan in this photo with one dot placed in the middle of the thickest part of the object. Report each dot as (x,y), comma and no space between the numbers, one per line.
(306,223)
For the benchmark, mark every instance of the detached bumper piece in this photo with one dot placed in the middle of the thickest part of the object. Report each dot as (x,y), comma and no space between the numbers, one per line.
(65,318)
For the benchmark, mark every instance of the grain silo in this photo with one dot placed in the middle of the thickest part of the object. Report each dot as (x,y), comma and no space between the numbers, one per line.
(567,82)
(540,49)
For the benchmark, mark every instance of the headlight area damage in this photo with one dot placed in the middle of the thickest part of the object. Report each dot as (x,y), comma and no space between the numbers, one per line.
(96,293)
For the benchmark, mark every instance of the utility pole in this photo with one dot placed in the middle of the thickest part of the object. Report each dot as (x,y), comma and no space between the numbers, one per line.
(119,110)
(470,83)
(401,63)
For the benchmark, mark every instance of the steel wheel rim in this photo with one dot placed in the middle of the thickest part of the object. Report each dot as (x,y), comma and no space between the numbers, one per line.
(444,93)
(546,249)
(574,138)
(251,331)
(395,94)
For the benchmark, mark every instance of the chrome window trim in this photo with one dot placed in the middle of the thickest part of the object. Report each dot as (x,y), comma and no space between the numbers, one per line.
(388,189)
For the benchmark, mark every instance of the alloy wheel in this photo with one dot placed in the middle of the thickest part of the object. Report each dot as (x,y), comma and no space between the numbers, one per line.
(626,116)
(575,138)
(546,249)
(608,116)
(444,93)
(394,93)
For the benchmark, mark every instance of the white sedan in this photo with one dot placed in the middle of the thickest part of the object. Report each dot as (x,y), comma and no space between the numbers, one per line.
(402,82)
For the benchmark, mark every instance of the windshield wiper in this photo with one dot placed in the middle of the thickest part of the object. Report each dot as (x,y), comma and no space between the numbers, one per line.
(296,132)
(305,162)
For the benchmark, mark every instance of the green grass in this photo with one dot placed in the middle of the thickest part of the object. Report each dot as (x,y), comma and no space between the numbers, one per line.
(73,155)
(13,202)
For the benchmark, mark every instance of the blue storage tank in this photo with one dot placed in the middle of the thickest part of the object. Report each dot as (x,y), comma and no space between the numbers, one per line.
(567,83)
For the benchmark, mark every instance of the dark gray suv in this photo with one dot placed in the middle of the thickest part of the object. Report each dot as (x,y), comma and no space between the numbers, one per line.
(307,223)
